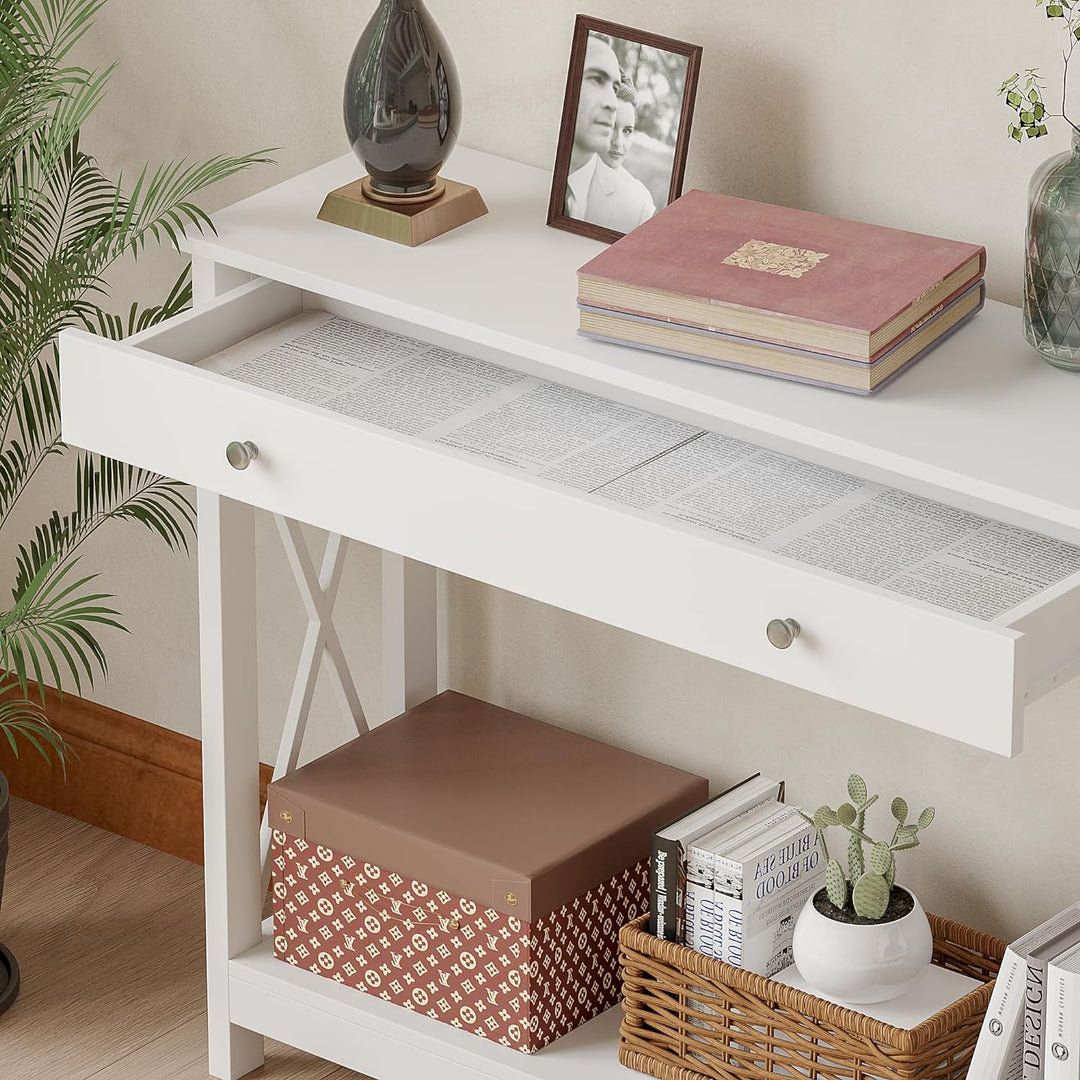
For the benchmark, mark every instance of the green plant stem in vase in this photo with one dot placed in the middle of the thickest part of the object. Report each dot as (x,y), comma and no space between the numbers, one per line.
(1052,260)
(1052,272)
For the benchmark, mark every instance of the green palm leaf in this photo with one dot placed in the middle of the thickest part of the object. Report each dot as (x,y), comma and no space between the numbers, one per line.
(25,718)
(139,317)
(47,629)
(62,224)
(106,490)
(42,104)
(57,24)
(160,205)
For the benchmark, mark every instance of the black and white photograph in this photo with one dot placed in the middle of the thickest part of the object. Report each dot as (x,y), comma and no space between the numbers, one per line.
(625,128)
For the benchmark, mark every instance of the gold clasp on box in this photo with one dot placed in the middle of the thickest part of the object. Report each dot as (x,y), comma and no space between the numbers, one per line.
(286,817)
(511,898)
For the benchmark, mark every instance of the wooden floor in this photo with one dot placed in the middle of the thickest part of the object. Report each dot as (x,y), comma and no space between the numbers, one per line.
(108,934)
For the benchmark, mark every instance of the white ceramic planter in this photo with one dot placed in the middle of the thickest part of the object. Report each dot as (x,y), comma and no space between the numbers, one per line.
(862,964)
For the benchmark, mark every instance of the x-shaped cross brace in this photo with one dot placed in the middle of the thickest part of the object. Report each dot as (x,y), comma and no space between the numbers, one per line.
(318,593)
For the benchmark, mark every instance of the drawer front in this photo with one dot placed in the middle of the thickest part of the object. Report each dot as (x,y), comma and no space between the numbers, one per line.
(941,672)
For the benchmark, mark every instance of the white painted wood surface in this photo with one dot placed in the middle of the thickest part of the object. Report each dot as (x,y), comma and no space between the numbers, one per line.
(982,417)
(318,592)
(410,632)
(386,1041)
(441,507)
(982,423)
(321,642)
(230,751)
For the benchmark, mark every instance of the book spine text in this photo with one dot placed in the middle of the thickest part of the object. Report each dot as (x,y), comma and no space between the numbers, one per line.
(1034,1018)
(666,889)
(998,1052)
(1062,1060)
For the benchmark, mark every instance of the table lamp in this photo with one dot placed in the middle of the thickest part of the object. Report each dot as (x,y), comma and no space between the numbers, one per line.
(402,110)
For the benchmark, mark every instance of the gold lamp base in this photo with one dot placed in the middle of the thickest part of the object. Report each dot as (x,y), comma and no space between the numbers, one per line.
(403,220)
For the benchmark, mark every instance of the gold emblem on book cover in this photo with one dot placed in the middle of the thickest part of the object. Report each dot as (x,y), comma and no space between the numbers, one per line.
(769,258)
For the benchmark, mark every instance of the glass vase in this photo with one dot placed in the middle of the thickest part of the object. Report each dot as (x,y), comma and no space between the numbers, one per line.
(1052,277)
(402,99)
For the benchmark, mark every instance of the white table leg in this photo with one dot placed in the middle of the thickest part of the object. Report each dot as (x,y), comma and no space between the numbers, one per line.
(410,619)
(230,767)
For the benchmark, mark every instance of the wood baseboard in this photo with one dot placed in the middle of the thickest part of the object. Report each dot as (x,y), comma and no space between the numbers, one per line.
(132,777)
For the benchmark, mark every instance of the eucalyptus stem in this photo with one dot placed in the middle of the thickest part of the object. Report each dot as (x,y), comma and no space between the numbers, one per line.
(1065,58)
(1024,93)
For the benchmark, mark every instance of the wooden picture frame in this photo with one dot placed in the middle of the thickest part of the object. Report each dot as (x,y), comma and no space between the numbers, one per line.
(596,192)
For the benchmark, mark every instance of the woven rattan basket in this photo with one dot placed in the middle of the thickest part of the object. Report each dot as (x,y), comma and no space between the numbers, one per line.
(689,1017)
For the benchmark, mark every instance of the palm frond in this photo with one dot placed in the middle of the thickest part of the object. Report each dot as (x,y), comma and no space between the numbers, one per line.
(83,93)
(140,317)
(160,206)
(37,416)
(62,224)
(36,301)
(107,490)
(43,104)
(80,198)
(59,24)
(19,715)
(52,628)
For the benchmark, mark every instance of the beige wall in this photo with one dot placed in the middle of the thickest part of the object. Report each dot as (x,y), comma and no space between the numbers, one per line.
(884,112)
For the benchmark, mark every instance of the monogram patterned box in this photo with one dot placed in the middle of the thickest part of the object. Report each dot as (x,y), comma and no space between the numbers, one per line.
(471,864)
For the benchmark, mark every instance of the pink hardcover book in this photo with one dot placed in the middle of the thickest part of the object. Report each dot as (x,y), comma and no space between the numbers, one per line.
(774,274)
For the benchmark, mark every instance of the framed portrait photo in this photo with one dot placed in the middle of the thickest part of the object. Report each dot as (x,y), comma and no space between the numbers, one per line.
(625,128)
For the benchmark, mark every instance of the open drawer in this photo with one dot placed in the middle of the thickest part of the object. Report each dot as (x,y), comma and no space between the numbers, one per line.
(473,508)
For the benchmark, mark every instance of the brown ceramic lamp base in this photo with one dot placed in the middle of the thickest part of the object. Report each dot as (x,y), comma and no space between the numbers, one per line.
(405,220)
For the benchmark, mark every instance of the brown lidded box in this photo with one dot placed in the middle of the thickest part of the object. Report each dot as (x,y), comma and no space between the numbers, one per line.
(470,863)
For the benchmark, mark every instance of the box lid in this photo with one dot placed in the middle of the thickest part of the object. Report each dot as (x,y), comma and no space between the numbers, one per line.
(510,812)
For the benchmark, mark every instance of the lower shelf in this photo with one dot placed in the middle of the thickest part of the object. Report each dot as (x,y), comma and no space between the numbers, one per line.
(387,1042)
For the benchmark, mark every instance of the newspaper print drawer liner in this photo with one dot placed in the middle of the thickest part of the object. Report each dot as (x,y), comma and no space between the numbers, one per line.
(522,985)
(976,605)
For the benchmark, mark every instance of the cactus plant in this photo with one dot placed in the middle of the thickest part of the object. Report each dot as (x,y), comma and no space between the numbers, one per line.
(866,887)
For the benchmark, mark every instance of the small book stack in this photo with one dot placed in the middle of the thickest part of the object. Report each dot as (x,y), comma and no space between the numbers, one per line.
(781,292)
(746,883)
(1031,1030)
(670,845)
(730,878)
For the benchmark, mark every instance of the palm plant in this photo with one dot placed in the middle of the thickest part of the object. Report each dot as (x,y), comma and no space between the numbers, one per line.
(63,223)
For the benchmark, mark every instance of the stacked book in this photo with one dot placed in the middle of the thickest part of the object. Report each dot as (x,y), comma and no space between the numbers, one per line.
(747,881)
(730,878)
(781,292)
(670,845)
(1031,1030)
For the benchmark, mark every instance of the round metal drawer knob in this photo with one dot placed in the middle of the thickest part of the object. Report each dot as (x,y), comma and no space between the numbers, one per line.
(782,632)
(241,454)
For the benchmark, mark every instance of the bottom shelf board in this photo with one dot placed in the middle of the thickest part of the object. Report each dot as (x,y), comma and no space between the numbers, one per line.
(387,1042)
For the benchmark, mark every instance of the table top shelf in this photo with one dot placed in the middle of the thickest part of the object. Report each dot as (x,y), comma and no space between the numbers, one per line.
(981,424)
(982,421)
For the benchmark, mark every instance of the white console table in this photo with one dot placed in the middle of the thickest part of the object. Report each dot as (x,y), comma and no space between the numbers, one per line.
(981,424)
